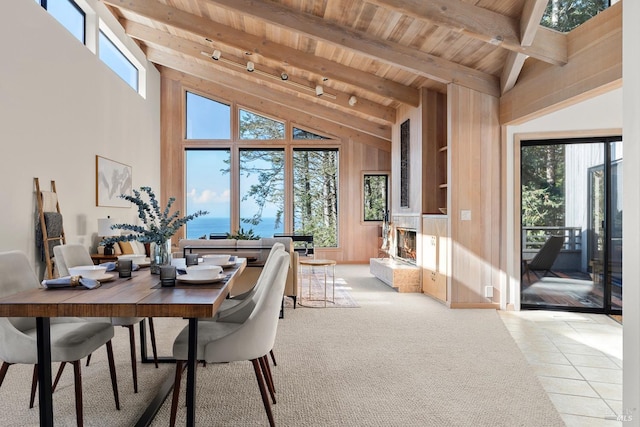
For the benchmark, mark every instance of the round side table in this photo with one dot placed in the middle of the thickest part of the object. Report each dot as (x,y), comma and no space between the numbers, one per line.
(326,263)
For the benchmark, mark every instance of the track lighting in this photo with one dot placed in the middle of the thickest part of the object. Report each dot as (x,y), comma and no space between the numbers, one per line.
(319,90)
(284,76)
(250,66)
(216,54)
(353,100)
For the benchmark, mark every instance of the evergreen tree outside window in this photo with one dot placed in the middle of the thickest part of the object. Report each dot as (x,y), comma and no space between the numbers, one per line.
(262,190)
(565,15)
(315,195)
(303,134)
(375,190)
(255,126)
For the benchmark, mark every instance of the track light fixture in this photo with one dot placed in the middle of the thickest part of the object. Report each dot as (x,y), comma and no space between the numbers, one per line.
(216,54)
(250,67)
(353,100)
(319,90)
(284,76)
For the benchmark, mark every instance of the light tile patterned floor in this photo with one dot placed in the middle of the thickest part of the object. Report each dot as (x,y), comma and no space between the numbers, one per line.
(578,359)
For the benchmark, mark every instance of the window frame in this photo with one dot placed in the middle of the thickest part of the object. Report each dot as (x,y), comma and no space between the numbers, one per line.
(110,36)
(45,5)
(366,174)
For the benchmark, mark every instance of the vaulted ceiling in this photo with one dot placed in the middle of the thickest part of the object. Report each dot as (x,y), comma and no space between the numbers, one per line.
(369,56)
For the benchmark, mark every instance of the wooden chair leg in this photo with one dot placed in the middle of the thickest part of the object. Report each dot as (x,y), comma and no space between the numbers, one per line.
(152,332)
(34,386)
(58,375)
(134,362)
(266,372)
(77,377)
(3,371)
(263,391)
(273,357)
(112,371)
(176,392)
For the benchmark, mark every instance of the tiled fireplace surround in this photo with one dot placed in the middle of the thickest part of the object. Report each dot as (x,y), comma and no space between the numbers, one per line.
(400,275)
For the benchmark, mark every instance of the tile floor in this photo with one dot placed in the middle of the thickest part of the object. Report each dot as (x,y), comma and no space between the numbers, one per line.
(578,359)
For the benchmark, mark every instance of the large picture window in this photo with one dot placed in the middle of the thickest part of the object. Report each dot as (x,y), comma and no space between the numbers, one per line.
(208,187)
(315,195)
(262,191)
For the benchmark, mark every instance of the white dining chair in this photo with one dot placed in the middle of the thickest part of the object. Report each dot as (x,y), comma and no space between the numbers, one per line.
(73,255)
(252,339)
(238,308)
(71,338)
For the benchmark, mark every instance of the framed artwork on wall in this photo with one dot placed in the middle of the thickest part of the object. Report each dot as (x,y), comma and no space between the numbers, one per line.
(112,179)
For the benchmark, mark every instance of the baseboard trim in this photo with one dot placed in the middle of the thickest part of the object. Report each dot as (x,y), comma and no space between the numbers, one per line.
(490,305)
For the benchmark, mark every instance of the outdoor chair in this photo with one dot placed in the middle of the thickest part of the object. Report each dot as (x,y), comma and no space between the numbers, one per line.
(544,259)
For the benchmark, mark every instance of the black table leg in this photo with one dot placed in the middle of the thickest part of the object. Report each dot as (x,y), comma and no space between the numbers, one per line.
(44,371)
(191,371)
(144,355)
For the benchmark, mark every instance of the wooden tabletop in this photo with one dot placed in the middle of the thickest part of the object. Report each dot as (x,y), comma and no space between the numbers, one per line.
(139,296)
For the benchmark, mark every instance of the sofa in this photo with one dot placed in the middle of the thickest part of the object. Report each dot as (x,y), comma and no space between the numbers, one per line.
(256,252)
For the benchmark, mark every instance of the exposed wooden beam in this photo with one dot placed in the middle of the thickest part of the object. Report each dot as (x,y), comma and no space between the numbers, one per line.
(364,108)
(511,70)
(483,24)
(530,20)
(209,72)
(226,35)
(394,54)
(594,67)
(529,25)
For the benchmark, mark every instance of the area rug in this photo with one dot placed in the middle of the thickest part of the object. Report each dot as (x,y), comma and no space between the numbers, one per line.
(316,298)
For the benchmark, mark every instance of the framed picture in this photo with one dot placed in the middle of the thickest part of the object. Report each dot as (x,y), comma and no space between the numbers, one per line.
(112,179)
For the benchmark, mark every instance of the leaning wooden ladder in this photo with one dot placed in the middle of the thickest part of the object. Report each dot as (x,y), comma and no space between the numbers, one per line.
(42,208)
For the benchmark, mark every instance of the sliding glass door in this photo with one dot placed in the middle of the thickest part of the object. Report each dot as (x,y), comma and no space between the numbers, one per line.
(571,204)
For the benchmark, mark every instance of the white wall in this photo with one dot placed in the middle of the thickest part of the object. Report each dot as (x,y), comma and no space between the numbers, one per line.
(60,106)
(631,224)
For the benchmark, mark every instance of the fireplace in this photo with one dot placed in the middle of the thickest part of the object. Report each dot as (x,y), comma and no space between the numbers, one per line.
(406,244)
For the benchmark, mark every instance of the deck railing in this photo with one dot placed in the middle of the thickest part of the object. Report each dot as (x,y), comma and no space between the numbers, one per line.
(534,237)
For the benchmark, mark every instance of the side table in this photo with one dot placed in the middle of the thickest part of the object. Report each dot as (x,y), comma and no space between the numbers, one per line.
(100,258)
(310,263)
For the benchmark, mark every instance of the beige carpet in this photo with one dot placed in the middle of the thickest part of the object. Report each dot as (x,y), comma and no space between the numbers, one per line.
(398,360)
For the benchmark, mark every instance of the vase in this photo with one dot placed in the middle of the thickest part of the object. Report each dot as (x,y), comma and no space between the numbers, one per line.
(160,255)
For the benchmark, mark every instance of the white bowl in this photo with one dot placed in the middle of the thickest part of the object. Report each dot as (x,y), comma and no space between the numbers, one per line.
(215,259)
(88,271)
(135,258)
(203,272)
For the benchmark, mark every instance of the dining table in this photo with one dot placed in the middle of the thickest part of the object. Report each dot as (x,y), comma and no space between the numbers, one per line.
(140,295)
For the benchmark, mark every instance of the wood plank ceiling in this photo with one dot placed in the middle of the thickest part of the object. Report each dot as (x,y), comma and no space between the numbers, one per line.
(369,56)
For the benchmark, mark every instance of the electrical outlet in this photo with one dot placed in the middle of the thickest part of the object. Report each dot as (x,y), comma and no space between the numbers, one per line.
(488,291)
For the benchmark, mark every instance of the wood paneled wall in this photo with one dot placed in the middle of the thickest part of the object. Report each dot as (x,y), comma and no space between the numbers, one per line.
(474,185)
(358,241)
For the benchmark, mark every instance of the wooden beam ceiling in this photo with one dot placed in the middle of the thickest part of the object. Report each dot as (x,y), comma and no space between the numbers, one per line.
(229,36)
(395,54)
(236,67)
(483,24)
(207,71)
(529,25)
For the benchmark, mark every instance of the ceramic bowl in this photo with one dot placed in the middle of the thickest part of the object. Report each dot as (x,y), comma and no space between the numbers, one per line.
(135,258)
(215,259)
(203,272)
(89,271)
